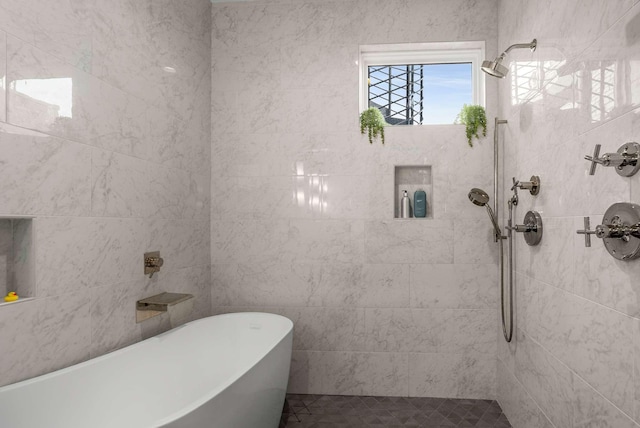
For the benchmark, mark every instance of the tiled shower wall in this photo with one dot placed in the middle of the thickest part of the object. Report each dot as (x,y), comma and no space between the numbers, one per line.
(576,359)
(302,205)
(111,152)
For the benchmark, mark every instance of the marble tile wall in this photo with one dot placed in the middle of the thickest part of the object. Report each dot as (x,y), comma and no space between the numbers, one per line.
(302,205)
(575,359)
(105,137)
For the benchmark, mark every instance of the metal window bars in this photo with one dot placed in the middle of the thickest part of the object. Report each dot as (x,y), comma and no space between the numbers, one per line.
(398,92)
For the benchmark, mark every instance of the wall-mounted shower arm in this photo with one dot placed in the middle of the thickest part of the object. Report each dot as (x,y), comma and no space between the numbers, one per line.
(532,46)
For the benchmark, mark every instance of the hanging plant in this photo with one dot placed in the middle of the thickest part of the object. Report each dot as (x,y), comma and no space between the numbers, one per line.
(474,118)
(372,120)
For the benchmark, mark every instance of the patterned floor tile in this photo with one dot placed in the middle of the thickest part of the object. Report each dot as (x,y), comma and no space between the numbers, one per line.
(337,411)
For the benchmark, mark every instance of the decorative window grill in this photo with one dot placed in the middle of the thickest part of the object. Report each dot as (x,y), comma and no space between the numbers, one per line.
(398,92)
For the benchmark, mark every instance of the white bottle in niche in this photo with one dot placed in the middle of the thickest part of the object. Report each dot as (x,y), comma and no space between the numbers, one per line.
(405,206)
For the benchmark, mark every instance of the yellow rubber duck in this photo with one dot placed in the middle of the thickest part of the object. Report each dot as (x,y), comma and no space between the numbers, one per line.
(11,297)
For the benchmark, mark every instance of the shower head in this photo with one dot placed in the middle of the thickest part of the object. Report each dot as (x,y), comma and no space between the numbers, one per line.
(478,197)
(495,67)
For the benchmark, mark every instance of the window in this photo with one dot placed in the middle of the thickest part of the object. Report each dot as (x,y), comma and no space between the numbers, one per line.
(423,83)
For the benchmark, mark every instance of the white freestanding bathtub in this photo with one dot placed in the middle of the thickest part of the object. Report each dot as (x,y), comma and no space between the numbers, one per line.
(227,371)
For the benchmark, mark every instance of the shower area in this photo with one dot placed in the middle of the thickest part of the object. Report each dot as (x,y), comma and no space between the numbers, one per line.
(406,308)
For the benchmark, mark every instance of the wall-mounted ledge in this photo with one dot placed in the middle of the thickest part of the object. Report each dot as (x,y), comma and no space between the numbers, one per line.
(26,299)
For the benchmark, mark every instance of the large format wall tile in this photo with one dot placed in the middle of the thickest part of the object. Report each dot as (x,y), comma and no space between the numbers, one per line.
(574,353)
(3,76)
(43,174)
(349,373)
(302,218)
(451,375)
(111,152)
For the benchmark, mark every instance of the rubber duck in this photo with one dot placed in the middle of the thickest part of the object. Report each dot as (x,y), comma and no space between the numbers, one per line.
(11,297)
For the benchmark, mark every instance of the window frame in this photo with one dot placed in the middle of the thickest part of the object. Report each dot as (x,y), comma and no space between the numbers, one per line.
(423,53)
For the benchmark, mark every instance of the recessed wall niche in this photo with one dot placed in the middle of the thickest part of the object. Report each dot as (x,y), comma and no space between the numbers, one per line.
(16,258)
(412,178)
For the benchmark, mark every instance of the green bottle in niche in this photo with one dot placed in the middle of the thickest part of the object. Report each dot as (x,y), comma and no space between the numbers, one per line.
(419,203)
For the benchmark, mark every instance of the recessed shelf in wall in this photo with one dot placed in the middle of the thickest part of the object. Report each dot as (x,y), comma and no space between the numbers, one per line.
(16,258)
(412,178)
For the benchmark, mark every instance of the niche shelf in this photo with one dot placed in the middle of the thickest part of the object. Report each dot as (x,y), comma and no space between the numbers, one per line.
(412,178)
(17,256)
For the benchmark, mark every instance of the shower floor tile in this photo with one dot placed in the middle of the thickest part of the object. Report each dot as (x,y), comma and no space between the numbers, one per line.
(338,411)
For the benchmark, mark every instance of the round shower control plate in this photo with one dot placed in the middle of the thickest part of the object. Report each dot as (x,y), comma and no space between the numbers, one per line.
(629,149)
(622,214)
(533,236)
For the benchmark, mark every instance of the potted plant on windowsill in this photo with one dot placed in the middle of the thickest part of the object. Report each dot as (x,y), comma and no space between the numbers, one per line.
(373,122)
(474,118)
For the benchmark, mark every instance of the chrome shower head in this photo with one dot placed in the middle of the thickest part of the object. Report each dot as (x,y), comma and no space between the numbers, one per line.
(478,197)
(495,67)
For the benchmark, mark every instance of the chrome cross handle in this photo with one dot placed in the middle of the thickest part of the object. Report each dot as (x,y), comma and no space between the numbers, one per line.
(587,232)
(625,160)
(619,231)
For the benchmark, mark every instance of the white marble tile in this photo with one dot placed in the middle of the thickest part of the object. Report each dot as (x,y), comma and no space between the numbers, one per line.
(6,257)
(594,341)
(409,241)
(516,404)
(471,332)
(182,243)
(603,94)
(368,285)
(64,98)
(120,185)
(548,381)
(61,29)
(592,410)
(602,278)
(195,280)
(240,240)
(20,358)
(74,253)
(3,76)
(236,68)
(64,330)
(473,242)
(402,330)
(177,143)
(113,317)
(163,39)
(350,373)
(452,376)
(527,309)
(454,286)
(254,284)
(332,241)
(326,329)
(467,331)
(636,370)
(552,261)
(300,64)
(43,174)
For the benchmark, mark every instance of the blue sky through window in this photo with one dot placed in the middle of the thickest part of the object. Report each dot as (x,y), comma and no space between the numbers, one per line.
(446,88)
